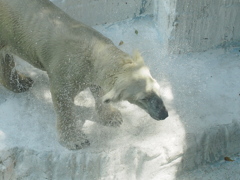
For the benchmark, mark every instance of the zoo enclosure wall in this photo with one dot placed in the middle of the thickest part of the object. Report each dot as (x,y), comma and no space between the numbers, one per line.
(185,25)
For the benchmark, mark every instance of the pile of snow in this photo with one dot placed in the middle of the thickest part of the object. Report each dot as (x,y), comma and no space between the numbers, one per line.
(201,92)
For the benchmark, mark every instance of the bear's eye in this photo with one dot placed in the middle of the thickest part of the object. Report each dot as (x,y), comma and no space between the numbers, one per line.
(143,99)
(107,101)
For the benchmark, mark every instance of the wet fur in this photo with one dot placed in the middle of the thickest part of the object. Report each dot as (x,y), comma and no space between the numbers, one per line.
(75,57)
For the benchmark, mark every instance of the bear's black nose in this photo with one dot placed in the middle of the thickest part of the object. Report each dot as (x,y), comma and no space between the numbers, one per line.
(163,115)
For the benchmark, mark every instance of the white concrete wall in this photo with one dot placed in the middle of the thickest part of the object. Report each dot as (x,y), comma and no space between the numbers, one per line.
(164,16)
(186,25)
(192,25)
(94,12)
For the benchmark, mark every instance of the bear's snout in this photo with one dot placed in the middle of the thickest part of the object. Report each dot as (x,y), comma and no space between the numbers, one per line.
(163,114)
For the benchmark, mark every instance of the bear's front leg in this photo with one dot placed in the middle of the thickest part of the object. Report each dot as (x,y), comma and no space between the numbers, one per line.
(69,134)
(107,114)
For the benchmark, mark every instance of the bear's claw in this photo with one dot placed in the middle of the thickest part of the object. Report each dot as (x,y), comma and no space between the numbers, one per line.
(74,142)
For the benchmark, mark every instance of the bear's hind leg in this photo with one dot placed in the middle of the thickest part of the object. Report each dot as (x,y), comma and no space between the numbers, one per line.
(108,115)
(10,78)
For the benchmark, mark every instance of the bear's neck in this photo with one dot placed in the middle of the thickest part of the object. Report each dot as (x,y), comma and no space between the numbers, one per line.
(108,65)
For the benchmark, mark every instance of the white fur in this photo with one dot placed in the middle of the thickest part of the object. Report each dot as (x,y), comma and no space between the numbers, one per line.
(75,57)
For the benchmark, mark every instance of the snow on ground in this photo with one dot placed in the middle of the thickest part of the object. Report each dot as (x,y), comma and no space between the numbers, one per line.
(200,90)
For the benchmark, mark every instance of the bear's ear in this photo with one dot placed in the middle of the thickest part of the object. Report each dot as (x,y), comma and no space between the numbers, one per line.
(137,57)
(126,61)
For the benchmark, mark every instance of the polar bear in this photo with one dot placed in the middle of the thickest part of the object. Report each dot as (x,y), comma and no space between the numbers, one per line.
(75,57)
